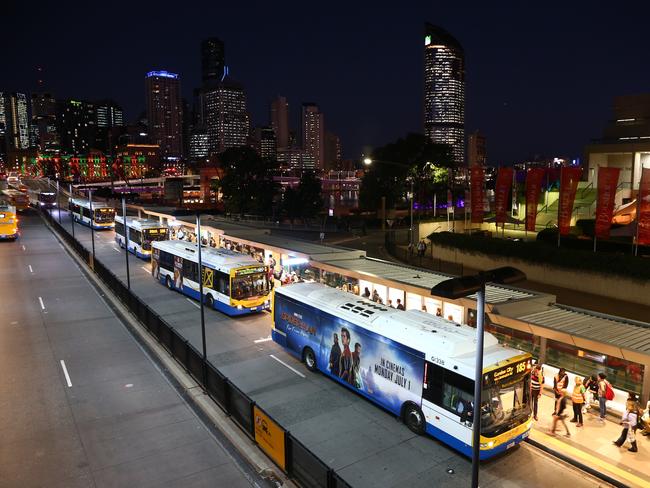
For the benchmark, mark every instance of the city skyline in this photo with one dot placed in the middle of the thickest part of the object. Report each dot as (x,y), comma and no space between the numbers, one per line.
(525,92)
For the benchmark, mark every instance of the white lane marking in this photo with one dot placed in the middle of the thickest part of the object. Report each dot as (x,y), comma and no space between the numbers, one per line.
(193,303)
(24,248)
(30,268)
(41,302)
(128,385)
(285,364)
(266,339)
(116,249)
(65,372)
(146,269)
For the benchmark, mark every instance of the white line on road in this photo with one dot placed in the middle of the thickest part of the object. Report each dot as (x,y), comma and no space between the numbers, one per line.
(24,248)
(193,303)
(30,268)
(116,249)
(41,302)
(146,269)
(65,372)
(266,339)
(285,364)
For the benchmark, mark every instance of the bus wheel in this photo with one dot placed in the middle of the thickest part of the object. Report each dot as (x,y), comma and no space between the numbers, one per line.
(168,282)
(413,418)
(310,359)
(209,301)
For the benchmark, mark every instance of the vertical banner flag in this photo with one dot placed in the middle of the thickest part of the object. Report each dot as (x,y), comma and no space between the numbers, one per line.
(476,181)
(450,202)
(569,178)
(643,216)
(501,193)
(533,188)
(607,184)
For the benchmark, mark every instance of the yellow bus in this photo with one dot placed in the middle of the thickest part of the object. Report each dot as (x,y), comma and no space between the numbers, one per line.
(8,221)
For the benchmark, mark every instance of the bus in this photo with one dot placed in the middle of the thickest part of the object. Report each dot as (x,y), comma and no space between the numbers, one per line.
(104,214)
(233,283)
(16,198)
(142,232)
(8,221)
(42,198)
(415,365)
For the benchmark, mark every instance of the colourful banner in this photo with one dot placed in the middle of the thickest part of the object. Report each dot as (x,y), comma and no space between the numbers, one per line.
(476,183)
(607,184)
(643,216)
(569,178)
(533,188)
(501,193)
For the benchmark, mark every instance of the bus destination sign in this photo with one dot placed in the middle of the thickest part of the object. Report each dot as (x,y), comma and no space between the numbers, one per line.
(507,372)
(247,271)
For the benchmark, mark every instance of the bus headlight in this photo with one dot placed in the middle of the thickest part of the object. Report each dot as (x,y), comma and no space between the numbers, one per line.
(266,302)
(239,307)
(487,445)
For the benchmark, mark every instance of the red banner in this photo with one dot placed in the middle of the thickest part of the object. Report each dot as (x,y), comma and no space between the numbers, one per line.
(533,189)
(476,182)
(569,178)
(607,184)
(501,193)
(643,216)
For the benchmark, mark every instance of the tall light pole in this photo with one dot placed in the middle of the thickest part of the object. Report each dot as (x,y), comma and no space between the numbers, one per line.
(92,222)
(70,212)
(461,287)
(126,242)
(198,241)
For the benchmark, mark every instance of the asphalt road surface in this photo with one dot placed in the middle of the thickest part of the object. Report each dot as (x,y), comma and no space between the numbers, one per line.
(81,404)
(367,446)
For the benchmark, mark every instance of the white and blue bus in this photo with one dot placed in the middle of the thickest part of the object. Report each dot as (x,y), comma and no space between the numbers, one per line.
(103,214)
(233,283)
(142,232)
(415,365)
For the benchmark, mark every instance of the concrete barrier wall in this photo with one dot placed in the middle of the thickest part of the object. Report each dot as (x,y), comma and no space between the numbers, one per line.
(599,284)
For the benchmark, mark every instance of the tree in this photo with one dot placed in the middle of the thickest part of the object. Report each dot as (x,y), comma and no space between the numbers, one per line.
(247,185)
(305,201)
(413,156)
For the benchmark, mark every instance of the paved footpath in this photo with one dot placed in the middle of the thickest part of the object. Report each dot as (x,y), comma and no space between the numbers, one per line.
(81,404)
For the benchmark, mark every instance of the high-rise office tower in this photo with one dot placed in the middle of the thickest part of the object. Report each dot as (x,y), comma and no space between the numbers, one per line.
(267,143)
(109,114)
(164,112)
(213,60)
(77,126)
(476,152)
(3,128)
(46,135)
(444,90)
(17,120)
(226,117)
(280,121)
(199,145)
(313,133)
(332,151)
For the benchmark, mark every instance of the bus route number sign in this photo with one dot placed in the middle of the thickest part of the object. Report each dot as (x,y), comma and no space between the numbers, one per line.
(508,371)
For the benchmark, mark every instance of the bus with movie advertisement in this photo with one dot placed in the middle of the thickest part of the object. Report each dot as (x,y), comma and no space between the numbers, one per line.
(415,365)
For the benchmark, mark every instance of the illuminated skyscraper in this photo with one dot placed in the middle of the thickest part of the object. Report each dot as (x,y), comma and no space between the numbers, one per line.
(444,90)
(313,133)
(164,112)
(44,125)
(17,120)
(76,125)
(226,117)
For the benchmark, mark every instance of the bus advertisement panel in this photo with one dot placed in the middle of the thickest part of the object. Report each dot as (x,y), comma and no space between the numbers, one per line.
(375,366)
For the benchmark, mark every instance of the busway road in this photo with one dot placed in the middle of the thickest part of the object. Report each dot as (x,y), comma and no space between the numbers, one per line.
(367,446)
(81,404)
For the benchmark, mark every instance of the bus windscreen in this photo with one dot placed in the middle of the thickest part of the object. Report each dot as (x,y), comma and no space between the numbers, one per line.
(249,285)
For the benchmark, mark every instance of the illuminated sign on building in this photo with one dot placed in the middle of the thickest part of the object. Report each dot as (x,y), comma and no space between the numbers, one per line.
(162,74)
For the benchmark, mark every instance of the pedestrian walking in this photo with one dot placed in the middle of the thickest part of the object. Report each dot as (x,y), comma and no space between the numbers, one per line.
(422,247)
(578,399)
(629,423)
(605,393)
(559,415)
(536,383)
(560,383)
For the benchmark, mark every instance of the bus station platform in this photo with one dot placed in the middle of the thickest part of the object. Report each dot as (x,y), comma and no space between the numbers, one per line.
(592,444)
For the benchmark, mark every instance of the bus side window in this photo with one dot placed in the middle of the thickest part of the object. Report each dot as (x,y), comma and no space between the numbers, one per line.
(119,228)
(458,393)
(135,236)
(190,270)
(166,261)
(433,382)
(223,283)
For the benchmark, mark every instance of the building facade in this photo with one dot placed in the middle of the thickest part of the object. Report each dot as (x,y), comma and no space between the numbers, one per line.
(476,149)
(280,121)
(267,143)
(17,121)
(164,112)
(199,145)
(332,151)
(44,123)
(213,60)
(313,133)
(226,117)
(76,125)
(444,91)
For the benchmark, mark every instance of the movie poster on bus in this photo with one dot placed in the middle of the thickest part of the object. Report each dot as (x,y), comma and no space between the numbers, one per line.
(607,184)
(178,272)
(372,364)
(501,193)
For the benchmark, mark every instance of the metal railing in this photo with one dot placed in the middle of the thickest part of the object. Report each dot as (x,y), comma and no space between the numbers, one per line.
(301,464)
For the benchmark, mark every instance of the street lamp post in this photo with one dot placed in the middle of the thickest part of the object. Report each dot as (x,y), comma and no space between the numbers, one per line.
(92,222)
(461,287)
(71,214)
(198,241)
(126,242)
(58,205)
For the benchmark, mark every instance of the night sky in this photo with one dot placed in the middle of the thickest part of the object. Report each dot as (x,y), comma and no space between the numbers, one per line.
(539,81)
